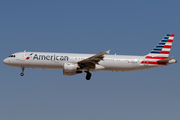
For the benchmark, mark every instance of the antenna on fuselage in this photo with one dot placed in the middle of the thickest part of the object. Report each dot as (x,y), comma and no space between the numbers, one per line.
(24,50)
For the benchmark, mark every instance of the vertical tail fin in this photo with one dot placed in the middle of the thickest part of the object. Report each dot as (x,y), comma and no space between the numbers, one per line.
(162,49)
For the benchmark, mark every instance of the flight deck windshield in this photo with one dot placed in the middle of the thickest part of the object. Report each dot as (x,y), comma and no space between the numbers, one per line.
(12,56)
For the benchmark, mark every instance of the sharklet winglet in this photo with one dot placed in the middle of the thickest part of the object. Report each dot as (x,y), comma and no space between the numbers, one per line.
(108,51)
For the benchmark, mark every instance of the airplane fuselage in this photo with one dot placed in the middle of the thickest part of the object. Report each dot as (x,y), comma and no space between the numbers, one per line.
(57,61)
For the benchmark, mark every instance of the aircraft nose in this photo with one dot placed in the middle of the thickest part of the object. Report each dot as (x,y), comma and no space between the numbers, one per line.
(6,61)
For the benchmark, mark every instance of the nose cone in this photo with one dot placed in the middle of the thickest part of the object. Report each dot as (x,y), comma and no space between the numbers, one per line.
(6,61)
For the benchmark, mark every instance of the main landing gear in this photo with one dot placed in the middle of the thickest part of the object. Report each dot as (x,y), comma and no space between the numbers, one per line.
(88,75)
(22,74)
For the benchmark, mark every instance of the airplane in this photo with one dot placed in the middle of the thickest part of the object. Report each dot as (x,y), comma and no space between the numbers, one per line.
(73,64)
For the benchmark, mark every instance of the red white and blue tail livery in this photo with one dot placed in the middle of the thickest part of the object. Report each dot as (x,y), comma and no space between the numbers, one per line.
(163,48)
(159,55)
(73,64)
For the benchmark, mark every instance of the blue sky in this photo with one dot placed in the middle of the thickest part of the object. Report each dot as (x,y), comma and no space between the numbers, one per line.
(126,27)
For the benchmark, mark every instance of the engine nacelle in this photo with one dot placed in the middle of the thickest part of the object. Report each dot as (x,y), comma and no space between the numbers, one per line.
(70,69)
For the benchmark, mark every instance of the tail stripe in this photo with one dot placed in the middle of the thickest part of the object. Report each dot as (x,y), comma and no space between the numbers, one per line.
(172,35)
(166,42)
(154,51)
(161,51)
(167,46)
(166,37)
(159,46)
(158,49)
(164,52)
(161,43)
(166,49)
(152,57)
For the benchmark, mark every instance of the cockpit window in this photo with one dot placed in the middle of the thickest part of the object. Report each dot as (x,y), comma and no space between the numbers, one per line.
(12,56)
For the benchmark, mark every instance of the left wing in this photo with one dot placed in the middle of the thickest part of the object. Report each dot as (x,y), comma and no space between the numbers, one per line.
(92,61)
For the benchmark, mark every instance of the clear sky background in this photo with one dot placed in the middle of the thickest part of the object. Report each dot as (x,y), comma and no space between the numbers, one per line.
(126,27)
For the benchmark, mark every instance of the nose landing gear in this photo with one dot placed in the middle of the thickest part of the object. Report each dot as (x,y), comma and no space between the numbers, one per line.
(88,75)
(22,74)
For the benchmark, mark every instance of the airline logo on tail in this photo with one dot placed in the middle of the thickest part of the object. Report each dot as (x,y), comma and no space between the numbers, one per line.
(160,52)
(164,46)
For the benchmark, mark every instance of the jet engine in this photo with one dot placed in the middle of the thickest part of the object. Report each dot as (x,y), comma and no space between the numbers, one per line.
(70,69)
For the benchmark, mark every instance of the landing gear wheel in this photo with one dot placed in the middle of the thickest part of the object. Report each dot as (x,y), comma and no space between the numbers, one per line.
(88,76)
(22,74)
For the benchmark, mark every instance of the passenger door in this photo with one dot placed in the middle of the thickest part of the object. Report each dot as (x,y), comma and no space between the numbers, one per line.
(22,57)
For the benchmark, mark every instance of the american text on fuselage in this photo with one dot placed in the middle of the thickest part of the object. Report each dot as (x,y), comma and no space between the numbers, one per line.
(50,57)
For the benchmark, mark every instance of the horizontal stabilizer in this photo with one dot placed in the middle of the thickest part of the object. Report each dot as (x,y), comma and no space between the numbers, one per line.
(166,59)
